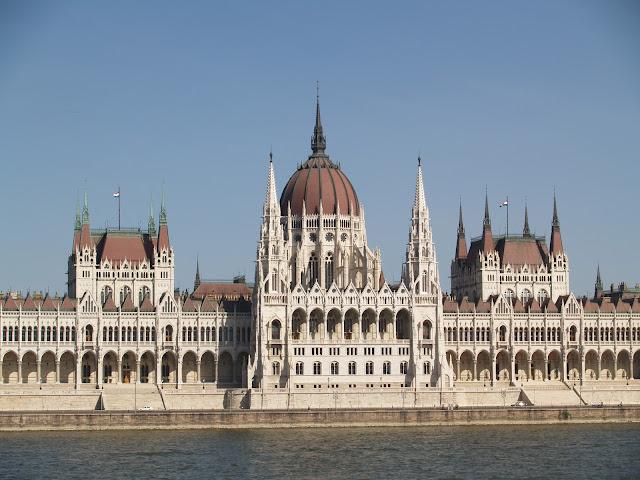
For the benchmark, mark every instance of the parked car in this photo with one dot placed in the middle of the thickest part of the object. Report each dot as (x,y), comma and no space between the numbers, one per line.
(146,408)
(519,403)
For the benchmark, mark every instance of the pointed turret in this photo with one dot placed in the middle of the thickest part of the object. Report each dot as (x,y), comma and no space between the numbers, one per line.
(163,232)
(598,285)
(461,246)
(85,231)
(152,221)
(419,202)
(556,239)
(271,204)
(196,282)
(487,236)
(318,141)
(526,232)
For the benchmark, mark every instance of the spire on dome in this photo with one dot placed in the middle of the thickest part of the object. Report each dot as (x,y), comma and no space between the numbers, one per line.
(526,232)
(318,141)
(461,246)
(419,202)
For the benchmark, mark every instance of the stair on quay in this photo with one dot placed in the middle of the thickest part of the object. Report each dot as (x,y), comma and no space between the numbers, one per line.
(132,397)
(550,394)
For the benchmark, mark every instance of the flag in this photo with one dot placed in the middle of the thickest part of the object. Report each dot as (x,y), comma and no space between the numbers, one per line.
(116,194)
(505,203)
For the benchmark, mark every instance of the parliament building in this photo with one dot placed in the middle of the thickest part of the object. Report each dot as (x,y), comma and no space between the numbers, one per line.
(320,326)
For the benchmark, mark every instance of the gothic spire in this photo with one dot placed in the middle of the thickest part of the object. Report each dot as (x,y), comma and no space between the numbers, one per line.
(163,211)
(556,238)
(152,221)
(486,222)
(598,279)
(271,198)
(85,210)
(487,236)
(196,283)
(461,245)
(526,232)
(78,224)
(318,141)
(419,202)
(555,222)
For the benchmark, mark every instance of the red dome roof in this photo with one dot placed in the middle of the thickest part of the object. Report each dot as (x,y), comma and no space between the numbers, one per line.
(319,181)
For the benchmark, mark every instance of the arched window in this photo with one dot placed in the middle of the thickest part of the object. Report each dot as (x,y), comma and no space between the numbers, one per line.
(542,296)
(168,333)
(328,270)
(386,368)
(427,368)
(275,330)
(404,367)
(317,368)
(88,333)
(299,368)
(425,278)
(352,368)
(334,368)
(503,333)
(106,293)
(126,291)
(313,269)
(274,287)
(368,368)
(275,367)
(426,330)
(572,333)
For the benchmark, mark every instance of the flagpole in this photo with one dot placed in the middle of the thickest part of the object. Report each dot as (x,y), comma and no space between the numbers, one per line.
(507,214)
(119,210)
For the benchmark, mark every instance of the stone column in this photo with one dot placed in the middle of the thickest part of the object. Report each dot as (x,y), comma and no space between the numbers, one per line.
(599,366)
(614,374)
(57,371)
(457,367)
(137,370)
(158,369)
(99,372)
(198,370)
(475,368)
(38,371)
(78,378)
(19,371)
(545,372)
(493,369)
(529,365)
(179,373)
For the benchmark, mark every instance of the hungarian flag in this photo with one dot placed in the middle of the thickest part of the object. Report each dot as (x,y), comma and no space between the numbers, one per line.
(505,203)
(116,194)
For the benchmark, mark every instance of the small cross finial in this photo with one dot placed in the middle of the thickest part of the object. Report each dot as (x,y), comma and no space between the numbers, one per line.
(317,91)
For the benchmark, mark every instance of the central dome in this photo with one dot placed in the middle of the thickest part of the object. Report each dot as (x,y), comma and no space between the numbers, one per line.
(319,182)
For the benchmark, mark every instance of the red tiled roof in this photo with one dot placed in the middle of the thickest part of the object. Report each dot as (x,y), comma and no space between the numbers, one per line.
(189,305)
(116,247)
(483,307)
(163,238)
(450,306)
(209,305)
(551,307)
(29,304)
(319,181)
(68,304)
(466,306)
(635,307)
(10,304)
(534,307)
(109,305)
(607,307)
(127,304)
(146,305)
(47,304)
(622,306)
(231,291)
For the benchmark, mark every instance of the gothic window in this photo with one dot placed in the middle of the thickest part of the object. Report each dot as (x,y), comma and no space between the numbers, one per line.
(427,368)
(275,330)
(503,333)
(426,330)
(404,367)
(572,333)
(274,281)
(106,293)
(369,368)
(168,333)
(313,269)
(424,282)
(328,270)
(352,368)
(334,368)
(317,368)
(88,333)
(386,368)
(275,367)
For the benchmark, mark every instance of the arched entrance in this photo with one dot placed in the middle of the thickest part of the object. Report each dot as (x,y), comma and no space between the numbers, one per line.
(334,324)
(503,367)
(351,325)
(537,366)
(189,368)
(299,324)
(385,326)
(67,368)
(553,365)
(624,365)
(168,366)
(573,365)
(225,369)
(29,368)
(591,365)
(403,325)
(466,366)
(369,324)
(88,368)
(636,365)
(316,324)
(148,368)
(10,368)
(207,368)
(110,368)
(522,366)
(129,368)
(606,364)
(48,368)
(483,366)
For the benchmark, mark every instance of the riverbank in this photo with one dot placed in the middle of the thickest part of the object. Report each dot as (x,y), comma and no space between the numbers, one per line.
(24,421)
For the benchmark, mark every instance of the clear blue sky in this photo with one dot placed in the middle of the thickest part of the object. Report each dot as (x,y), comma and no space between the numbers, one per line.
(517,96)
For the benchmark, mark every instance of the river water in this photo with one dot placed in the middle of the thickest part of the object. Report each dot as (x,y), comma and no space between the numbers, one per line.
(555,451)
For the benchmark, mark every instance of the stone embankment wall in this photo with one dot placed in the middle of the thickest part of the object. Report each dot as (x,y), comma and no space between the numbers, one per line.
(312,418)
